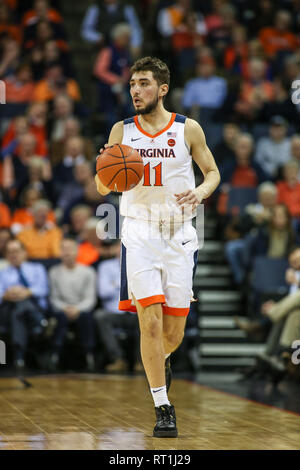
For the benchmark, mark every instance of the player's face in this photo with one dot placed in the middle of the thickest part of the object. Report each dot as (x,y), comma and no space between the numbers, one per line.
(145,92)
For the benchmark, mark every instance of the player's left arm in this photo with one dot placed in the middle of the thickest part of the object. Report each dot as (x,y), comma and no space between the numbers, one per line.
(195,139)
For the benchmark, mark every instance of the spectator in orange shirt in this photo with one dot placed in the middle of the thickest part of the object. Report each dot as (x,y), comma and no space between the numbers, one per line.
(41,11)
(5,217)
(42,240)
(289,188)
(20,86)
(7,27)
(236,55)
(90,249)
(278,38)
(23,217)
(37,117)
(54,84)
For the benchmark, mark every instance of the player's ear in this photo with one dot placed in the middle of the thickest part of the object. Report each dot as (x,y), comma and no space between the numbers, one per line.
(164,89)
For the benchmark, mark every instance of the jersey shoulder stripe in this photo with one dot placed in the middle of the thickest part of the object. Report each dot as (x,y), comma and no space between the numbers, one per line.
(129,120)
(180,118)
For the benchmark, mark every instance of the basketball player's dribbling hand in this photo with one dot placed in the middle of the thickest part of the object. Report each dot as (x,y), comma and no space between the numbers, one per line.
(189,197)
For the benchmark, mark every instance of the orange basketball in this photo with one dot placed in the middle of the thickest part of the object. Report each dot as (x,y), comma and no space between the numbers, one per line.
(120,167)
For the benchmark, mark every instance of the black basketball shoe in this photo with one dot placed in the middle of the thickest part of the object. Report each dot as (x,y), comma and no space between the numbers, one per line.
(165,422)
(168,373)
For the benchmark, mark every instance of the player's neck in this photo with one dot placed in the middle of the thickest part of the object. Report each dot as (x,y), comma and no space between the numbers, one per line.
(157,118)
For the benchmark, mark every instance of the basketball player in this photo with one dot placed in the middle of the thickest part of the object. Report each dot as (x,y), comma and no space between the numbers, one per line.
(157,270)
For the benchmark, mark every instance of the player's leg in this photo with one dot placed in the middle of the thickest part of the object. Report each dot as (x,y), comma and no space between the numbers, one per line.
(173,332)
(153,357)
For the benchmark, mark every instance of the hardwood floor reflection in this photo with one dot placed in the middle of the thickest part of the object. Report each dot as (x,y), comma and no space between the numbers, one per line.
(116,412)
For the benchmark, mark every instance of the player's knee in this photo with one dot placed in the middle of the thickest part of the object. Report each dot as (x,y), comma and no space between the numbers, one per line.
(174,338)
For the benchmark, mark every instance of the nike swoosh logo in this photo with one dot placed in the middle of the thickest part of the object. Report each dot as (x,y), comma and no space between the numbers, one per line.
(133,140)
(155,391)
(184,243)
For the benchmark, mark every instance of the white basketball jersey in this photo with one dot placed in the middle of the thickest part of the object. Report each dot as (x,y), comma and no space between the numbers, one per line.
(168,170)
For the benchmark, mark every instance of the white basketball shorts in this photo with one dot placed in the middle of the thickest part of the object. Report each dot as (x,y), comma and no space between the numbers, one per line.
(158,266)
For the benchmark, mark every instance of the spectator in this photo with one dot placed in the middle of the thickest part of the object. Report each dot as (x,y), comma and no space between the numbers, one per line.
(37,117)
(289,188)
(101,18)
(236,54)
(41,11)
(243,172)
(83,175)
(224,150)
(112,68)
(91,247)
(20,87)
(109,317)
(5,236)
(275,150)
(20,160)
(63,109)
(7,28)
(56,83)
(23,218)
(37,35)
(73,298)
(42,240)
(255,216)
(206,91)
(79,215)
(10,58)
(277,38)
(71,128)
(255,91)
(281,104)
(23,297)
(63,172)
(38,177)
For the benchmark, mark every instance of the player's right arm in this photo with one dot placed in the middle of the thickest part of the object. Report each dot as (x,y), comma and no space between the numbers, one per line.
(115,137)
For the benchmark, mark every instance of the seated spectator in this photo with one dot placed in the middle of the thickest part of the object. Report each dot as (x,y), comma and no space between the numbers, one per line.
(219,24)
(37,117)
(236,54)
(112,69)
(5,236)
(42,240)
(289,188)
(37,35)
(44,56)
(63,109)
(295,149)
(255,91)
(273,240)
(206,91)
(243,172)
(100,20)
(38,177)
(91,248)
(23,297)
(56,83)
(278,38)
(280,105)
(23,218)
(255,216)
(20,87)
(79,215)
(7,28)
(10,58)
(41,11)
(109,317)
(74,191)
(224,151)
(5,215)
(285,317)
(275,150)
(72,128)
(73,155)
(72,298)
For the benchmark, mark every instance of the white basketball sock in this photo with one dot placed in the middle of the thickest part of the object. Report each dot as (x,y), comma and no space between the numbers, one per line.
(167,355)
(160,396)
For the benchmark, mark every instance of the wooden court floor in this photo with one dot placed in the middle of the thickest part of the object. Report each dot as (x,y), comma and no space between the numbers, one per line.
(116,412)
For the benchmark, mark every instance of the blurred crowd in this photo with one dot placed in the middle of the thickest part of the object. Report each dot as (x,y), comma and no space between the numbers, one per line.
(235,67)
